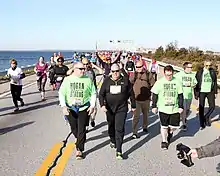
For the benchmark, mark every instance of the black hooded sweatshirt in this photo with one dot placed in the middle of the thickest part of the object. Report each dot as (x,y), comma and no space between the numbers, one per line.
(113,99)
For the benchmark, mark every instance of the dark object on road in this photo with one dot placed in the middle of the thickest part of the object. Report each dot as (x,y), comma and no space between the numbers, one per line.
(218,168)
(182,154)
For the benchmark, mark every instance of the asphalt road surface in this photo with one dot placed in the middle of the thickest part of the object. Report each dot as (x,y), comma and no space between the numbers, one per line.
(36,141)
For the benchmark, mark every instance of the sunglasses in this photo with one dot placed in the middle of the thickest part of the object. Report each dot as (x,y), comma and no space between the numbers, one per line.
(139,66)
(86,64)
(82,69)
(115,71)
(208,65)
(189,67)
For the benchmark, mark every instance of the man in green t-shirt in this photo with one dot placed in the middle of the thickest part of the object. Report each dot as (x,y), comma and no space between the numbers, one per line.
(167,99)
(77,97)
(206,87)
(188,80)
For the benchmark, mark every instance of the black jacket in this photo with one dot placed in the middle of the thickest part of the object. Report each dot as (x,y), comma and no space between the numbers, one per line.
(213,75)
(130,66)
(118,101)
(58,71)
(210,150)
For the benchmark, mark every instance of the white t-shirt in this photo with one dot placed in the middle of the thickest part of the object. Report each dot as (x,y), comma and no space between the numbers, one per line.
(15,76)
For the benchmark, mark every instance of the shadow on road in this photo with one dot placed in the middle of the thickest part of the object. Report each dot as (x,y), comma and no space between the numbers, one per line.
(15,127)
(26,109)
(192,128)
(26,104)
(216,114)
(24,94)
(154,130)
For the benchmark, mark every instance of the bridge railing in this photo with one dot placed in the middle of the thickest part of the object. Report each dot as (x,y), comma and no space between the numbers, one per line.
(162,64)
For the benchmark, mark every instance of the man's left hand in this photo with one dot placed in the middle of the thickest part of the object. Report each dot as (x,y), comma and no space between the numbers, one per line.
(180,110)
(90,110)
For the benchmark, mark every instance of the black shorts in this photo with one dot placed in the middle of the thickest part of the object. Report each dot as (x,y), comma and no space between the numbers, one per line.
(169,120)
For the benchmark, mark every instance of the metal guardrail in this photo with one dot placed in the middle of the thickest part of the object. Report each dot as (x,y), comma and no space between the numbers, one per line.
(162,64)
(31,67)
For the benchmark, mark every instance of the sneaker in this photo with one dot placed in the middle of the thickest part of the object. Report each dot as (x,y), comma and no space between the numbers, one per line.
(184,128)
(135,136)
(164,145)
(208,123)
(92,124)
(22,103)
(119,156)
(79,155)
(16,109)
(145,130)
(112,145)
(170,135)
(202,128)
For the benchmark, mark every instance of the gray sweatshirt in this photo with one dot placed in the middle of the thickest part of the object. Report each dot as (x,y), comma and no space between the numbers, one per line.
(209,150)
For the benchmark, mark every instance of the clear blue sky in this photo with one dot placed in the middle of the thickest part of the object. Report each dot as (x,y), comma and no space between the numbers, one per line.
(78,24)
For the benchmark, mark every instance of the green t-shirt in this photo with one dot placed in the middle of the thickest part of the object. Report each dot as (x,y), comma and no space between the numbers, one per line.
(167,92)
(76,91)
(188,81)
(206,81)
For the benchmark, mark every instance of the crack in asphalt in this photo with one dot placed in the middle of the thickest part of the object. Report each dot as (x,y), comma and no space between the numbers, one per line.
(58,156)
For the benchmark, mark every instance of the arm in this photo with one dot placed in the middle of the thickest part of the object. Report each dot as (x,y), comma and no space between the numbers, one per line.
(210,150)
(154,100)
(117,58)
(196,89)
(22,75)
(93,96)
(215,83)
(180,95)
(102,93)
(35,69)
(155,90)
(97,68)
(52,74)
(62,93)
(180,100)
(131,95)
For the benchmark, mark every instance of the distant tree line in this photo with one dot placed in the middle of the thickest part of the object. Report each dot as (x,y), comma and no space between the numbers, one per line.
(174,55)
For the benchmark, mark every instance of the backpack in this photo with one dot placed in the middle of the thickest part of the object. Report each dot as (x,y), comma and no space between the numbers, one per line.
(147,76)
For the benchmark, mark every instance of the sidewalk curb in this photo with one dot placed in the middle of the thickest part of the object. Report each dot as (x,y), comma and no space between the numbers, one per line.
(9,92)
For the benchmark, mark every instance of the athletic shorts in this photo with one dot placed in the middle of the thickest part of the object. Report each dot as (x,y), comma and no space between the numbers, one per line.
(169,120)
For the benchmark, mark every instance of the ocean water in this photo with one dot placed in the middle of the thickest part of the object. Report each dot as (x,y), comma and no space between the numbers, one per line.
(25,58)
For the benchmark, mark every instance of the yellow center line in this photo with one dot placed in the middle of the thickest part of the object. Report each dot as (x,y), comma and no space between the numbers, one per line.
(49,160)
(58,170)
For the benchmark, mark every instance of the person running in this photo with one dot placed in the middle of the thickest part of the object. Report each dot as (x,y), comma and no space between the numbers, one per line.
(77,96)
(92,75)
(188,80)
(41,71)
(130,67)
(113,97)
(142,81)
(59,72)
(15,74)
(154,68)
(168,101)
(52,65)
(206,87)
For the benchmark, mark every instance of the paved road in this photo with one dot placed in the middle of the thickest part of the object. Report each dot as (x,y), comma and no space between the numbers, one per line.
(31,140)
